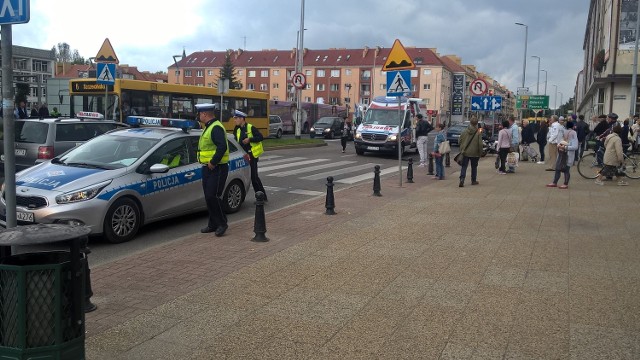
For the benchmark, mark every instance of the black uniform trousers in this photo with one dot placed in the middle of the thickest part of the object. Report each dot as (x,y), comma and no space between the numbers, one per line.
(255,180)
(213,182)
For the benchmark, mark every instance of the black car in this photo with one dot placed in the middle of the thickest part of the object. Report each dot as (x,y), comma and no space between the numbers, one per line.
(453,133)
(329,126)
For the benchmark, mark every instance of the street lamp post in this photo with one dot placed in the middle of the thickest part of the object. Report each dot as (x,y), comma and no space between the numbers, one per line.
(537,82)
(545,82)
(555,100)
(560,98)
(373,70)
(524,65)
(634,75)
(298,129)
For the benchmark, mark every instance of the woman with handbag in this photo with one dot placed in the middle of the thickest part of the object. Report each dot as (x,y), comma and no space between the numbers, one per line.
(438,153)
(471,151)
(504,146)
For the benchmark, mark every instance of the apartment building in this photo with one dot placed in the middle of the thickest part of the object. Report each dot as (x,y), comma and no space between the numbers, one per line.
(338,76)
(604,85)
(33,67)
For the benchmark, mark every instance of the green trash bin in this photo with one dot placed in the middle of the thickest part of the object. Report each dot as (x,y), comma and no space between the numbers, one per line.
(36,308)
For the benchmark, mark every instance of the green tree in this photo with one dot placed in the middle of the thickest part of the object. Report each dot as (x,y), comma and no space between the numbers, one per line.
(22,91)
(228,71)
(64,54)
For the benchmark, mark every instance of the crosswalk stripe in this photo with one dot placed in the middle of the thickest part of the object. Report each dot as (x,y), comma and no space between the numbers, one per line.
(306,192)
(342,171)
(283,166)
(355,179)
(269,157)
(310,168)
(269,162)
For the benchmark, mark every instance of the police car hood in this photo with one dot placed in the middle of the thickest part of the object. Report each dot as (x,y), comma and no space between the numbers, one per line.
(61,178)
(378,129)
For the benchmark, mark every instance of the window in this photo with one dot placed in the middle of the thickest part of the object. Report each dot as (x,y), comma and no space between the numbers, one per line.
(347,72)
(240,72)
(334,87)
(264,87)
(264,73)
(276,85)
(307,98)
(383,86)
(275,98)
(426,71)
(187,73)
(307,86)
(414,73)
(251,87)
(308,72)
(320,87)
(252,73)
(177,72)
(366,74)
(427,101)
(210,72)
(335,73)
(320,73)
(199,73)
(426,86)
(276,72)
(39,65)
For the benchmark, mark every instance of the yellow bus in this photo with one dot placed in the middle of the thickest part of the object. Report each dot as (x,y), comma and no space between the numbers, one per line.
(146,98)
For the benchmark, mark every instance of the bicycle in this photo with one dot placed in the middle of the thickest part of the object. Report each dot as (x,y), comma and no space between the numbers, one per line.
(590,165)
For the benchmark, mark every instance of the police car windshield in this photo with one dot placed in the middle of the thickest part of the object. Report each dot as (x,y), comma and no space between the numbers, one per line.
(109,151)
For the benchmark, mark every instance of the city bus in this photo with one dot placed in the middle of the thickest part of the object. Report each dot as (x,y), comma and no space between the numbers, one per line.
(146,98)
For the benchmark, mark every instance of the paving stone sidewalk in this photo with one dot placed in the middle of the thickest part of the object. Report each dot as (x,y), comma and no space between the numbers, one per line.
(508,269)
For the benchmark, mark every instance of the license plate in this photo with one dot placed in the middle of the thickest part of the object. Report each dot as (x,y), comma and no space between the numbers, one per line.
(25,216)
(373,148)
(21,152)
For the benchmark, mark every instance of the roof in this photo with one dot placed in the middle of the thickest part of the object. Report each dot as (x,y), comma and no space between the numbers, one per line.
(73,71)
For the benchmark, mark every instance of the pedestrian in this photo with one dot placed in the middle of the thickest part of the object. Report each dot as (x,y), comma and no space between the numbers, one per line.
(582,130)
(515,140)
(440,138)
(250,139)
(624,135)
(527,135)
(34,111)
(21,110)
(541,139)
(55,113)
(504,146)
(471,151)
(346,134)
(633,133)
(422,130)
(566,157)
(613,157)
(554,136)
(213,154)
(43,112)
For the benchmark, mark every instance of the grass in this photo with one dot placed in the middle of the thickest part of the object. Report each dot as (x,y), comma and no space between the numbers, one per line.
(276,143)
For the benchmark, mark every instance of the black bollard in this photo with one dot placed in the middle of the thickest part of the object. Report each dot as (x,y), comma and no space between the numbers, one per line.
(376,181)
(410,171)
(88,291)
(447,160)
(259,222)
(329,203)
(430,167)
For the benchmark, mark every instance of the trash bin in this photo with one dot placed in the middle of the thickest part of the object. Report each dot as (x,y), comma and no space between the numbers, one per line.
(41,295)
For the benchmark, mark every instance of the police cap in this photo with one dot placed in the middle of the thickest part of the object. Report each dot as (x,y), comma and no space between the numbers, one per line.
(207,107)
(240,114)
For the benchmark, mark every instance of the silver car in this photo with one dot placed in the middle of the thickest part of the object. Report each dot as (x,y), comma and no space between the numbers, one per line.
(275,126)
(120,181)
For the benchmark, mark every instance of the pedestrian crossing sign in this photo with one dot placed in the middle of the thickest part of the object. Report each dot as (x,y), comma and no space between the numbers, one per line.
(105,73)
(399,83)
(398,59)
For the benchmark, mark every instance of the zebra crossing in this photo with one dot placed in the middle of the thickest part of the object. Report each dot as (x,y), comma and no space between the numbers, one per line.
(311,169)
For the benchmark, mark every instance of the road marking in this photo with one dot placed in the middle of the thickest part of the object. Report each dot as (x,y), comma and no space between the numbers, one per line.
(269,162)
(311,168)
(369,176)
(306,192)
(342,171)
(283,166)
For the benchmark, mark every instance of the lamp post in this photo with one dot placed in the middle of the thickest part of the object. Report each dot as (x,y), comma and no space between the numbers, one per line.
(538,82)
(373,70)
(298,129)
(555,100)
(634,76)
(560,98)
(545,82)
(524,65)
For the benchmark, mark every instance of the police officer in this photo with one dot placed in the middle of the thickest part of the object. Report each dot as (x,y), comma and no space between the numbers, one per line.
(213,154)
(250,139)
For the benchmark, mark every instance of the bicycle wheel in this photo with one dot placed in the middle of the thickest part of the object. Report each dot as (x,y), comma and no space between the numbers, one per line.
(630,167)
(588,167)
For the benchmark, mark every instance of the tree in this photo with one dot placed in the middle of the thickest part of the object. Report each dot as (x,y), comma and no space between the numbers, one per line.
(22,91)
(64,54)
(77,59)
(228,71)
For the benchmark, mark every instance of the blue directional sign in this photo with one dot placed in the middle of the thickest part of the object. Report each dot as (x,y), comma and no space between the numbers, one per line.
(14,12)
(486,103)
(106,73)
(398,83)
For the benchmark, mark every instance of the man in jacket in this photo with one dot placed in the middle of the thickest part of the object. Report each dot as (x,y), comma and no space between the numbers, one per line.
(582,129)
(250,139)
(213,154)
(422,130)
(515,140)
(471,149)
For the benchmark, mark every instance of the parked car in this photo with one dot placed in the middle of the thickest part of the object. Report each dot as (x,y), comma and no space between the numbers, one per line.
(329,127)
(453,133)
(275,126)
(37,140)
(122,180)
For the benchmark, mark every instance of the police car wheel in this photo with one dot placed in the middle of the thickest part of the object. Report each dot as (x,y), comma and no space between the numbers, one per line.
(233,197)
(122,221)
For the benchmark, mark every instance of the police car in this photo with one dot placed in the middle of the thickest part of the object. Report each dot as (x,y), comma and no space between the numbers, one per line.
(119,181)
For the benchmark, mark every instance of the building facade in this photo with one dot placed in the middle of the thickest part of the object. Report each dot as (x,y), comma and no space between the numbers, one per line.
(351,77)
(34,67)
(605,83)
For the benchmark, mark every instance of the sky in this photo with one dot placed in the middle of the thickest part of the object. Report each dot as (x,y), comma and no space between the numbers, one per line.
(147,33)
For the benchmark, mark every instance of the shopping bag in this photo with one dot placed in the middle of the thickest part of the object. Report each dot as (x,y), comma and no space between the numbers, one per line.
(444,147)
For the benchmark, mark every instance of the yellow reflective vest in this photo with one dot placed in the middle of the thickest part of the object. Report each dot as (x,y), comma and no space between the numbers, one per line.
(256,147)
(206,147)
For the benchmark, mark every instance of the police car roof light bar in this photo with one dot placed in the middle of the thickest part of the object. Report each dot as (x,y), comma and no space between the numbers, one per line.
(137,121)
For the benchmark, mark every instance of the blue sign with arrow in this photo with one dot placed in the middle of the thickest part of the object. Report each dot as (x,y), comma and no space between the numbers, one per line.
(486,103)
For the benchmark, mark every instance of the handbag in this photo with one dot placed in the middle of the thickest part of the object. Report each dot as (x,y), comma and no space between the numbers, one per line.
(444,147)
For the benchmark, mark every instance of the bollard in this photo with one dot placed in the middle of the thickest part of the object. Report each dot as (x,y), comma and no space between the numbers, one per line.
(447,160)
(430,167)
(88,291)
(410,171)
(329,203)
(259,222)
(376,181)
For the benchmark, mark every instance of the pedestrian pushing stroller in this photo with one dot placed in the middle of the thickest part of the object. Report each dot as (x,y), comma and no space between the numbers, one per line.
(529,153)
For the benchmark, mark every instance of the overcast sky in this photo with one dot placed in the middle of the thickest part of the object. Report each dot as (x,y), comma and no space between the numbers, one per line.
(147,33)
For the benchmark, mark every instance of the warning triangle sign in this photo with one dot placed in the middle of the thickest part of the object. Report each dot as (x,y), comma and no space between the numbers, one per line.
(106,53)
(398,59)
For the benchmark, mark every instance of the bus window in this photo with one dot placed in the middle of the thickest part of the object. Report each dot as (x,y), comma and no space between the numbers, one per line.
(182,108)
(159,105)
